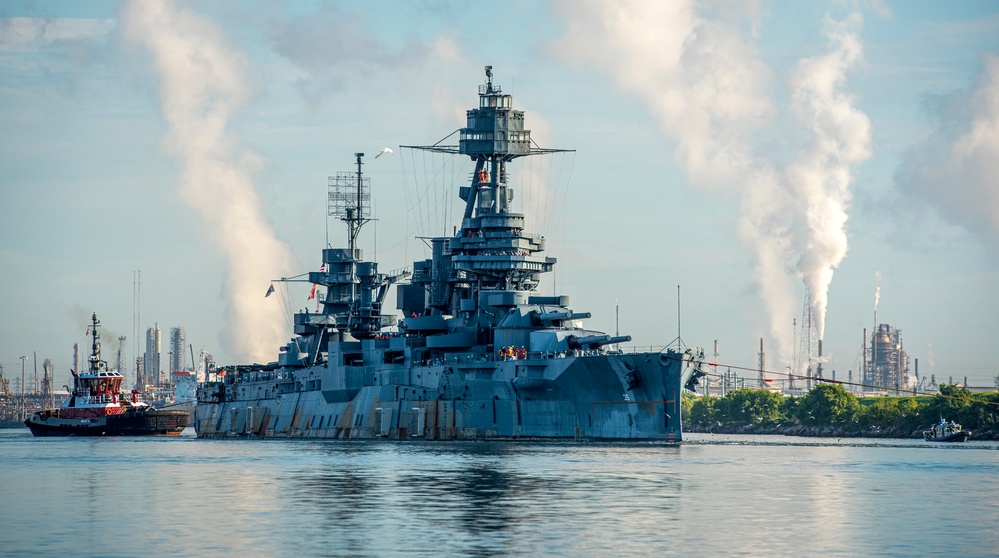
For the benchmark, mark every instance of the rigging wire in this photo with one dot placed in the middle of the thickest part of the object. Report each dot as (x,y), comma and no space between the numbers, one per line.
(432,205)
(423,157)
(286,304)
(405,191)
(433,201)
(562,220)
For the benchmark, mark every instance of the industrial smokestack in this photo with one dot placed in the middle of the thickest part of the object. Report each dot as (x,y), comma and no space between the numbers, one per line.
(819,375)
(763,359)
(863,362)
(707,380)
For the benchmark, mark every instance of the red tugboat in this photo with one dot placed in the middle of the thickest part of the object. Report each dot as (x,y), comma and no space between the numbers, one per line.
(97,407)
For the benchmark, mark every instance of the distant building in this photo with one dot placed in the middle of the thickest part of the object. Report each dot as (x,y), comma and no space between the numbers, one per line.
(176,349)
(151,368)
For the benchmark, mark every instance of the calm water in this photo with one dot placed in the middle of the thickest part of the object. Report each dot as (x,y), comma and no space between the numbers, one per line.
(715,495)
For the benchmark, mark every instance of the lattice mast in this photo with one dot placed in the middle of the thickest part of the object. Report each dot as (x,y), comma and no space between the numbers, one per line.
(354,288)
(762,379)
(809,344)
(350,200)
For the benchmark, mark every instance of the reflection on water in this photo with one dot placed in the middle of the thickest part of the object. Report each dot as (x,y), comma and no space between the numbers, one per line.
(751,495)
(478,498)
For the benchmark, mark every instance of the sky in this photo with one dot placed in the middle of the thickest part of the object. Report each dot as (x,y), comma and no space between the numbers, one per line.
(737,166)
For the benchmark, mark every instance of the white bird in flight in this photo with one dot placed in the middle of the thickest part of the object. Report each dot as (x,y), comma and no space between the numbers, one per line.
(384,150)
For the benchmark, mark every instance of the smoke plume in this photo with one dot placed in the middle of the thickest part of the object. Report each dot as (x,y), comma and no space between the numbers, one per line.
(877,290)
(703,80)
(819,178)
(202,81)
(704,84)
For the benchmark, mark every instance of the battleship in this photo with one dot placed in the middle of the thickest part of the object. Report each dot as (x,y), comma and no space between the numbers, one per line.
(478,354)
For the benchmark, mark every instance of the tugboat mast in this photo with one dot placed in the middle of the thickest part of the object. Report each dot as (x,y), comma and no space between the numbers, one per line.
(96,364)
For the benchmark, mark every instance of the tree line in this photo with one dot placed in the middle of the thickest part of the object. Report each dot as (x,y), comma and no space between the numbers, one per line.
(829,405)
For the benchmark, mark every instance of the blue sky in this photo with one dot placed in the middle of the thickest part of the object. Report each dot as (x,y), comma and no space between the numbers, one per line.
(718,147)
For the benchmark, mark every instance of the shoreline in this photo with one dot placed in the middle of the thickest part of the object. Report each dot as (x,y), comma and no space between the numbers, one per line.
(822,431)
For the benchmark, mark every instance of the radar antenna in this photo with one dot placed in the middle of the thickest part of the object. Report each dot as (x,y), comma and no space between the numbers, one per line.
(350,200)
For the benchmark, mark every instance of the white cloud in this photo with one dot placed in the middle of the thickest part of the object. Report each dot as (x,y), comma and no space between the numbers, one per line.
(26,34)
(955,169)
(335,48)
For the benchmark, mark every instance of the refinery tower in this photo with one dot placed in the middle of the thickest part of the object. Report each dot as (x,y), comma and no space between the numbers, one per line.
(887,367)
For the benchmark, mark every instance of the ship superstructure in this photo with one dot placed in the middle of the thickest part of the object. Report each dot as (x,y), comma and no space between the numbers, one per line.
(478,353)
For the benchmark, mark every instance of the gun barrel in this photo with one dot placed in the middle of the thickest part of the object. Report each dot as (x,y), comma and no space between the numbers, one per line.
(594,341)
(552,316)
(618,339)
(591,340)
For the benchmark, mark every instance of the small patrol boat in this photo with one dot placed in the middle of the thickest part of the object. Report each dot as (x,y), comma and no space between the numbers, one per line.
(97,407)
(944,431)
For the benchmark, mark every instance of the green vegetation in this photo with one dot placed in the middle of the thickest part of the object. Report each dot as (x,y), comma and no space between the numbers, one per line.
(829,405)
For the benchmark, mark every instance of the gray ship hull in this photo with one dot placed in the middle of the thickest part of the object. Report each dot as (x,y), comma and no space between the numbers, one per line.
(634,396)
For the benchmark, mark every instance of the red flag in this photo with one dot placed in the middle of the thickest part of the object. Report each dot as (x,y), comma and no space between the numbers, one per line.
(312,294)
